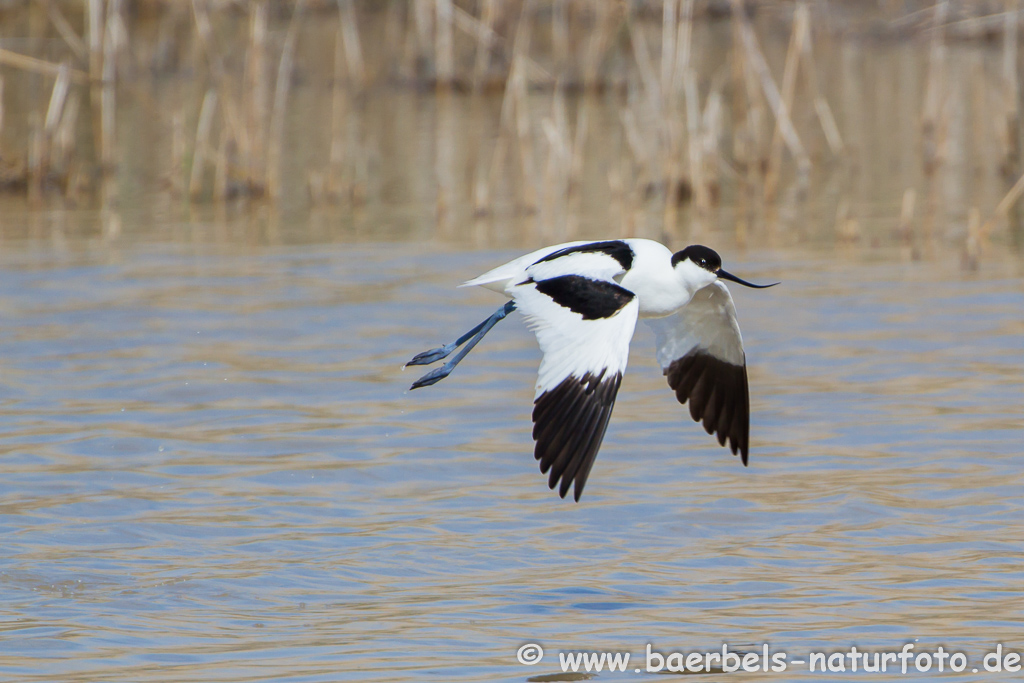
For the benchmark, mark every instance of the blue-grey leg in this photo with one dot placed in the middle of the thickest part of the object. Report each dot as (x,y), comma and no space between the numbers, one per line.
(472,337)
(434,355)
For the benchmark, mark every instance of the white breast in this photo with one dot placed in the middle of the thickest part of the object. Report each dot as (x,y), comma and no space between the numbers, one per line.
(658,287)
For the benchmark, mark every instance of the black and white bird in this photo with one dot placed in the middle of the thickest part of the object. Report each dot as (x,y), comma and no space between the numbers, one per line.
(582,300)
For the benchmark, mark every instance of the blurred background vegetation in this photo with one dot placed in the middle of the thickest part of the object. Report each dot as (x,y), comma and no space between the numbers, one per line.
(887,123)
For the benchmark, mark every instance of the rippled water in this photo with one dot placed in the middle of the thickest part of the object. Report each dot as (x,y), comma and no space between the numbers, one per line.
(212,467)
(213,471)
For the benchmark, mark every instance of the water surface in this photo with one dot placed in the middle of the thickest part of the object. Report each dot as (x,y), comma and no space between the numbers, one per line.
(214,471)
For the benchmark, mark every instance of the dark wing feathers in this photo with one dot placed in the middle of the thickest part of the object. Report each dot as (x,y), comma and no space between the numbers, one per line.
(569,424)
(583,325)
(718,396)
(700,350)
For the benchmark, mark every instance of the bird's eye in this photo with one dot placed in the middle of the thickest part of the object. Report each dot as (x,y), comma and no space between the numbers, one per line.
(703,261)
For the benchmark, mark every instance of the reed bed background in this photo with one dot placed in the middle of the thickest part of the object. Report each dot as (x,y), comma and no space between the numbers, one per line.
(780,121)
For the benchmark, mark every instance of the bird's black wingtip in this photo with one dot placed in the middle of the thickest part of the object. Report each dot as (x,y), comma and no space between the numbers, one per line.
(563,489)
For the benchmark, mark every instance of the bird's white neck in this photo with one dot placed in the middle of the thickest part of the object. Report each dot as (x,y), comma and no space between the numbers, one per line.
(661,290)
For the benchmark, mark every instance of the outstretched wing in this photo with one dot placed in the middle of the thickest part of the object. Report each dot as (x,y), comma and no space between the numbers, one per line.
(701,353)
(583,325)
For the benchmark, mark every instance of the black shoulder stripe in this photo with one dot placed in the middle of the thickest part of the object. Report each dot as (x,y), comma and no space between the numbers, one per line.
(617,249)
(592,299)
(718,395)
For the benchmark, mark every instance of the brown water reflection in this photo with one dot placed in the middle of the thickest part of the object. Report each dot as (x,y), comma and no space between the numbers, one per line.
(924,159)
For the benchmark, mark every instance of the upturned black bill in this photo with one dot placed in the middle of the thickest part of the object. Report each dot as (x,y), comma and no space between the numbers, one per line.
(729,276)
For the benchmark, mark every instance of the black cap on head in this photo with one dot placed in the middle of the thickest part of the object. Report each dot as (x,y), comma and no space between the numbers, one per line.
(702,256)
(710,261)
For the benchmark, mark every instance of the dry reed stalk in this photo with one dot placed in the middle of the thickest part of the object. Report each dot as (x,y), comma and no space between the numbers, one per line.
(486,181)
(94,22)
(109,217)
(254,152)
(977,134)
(556,170)
(360,157)
(393,24)
(174,178)
(648,75)
(64,140)
(201,148)
(669,28)
(598,43)
(34,168)
(975,241)
(407,67)
(484,39)
(679,82)
(657,151)
(481,182)
(65,136)
(350,41)
(232,118)
(95,13)
(907,213)
(220,173)
(1,104)
(54,112)
(934,90)
(748,109)
(796,45)
(282,86)
(711,134)
(487,39)
(111,40)
(446,142)
(683,41)
(65,30)
(57,98)
(1012,89)
(634,140)
(39,66)
(693,125)
(740,119)
(560,35)
(424,24)
(517,83)
(339,110)
(674,42)
(821,107)
(771,91)
(579,143)
(524,139)
(444,44)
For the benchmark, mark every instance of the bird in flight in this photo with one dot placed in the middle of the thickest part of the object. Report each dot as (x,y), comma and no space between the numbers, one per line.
(582,300)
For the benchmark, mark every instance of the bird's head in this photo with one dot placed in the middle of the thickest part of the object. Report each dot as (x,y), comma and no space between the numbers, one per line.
(699,266)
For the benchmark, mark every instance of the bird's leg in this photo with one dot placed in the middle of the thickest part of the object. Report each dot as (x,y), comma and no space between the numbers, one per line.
(434,355)
(472,337)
